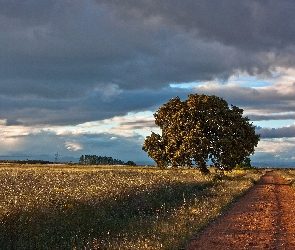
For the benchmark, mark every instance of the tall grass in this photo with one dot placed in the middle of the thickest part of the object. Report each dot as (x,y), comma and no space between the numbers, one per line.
(287,174)
(58,207)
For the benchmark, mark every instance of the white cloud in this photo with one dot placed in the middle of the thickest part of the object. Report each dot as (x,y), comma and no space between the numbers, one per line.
(73,146)
(15,131)
(276,146)
(275,152)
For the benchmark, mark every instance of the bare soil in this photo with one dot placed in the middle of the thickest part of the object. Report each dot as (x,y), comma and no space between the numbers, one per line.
(262,219)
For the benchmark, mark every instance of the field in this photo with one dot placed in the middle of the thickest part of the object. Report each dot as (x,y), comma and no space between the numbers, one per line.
(78,207)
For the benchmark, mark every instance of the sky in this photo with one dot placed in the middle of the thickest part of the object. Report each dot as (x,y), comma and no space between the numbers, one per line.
(85,77)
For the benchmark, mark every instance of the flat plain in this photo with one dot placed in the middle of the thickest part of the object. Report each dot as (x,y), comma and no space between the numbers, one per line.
(91,207)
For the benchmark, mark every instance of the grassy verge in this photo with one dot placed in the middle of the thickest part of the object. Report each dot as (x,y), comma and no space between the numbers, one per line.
(287,174)
(106,208)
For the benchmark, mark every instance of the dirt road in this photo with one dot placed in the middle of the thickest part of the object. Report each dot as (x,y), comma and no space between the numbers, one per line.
(262,219)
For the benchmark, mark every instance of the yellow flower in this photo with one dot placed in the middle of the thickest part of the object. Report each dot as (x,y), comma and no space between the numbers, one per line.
(57,189)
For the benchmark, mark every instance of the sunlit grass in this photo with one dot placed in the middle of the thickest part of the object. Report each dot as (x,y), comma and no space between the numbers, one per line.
(71,207)
(288,174)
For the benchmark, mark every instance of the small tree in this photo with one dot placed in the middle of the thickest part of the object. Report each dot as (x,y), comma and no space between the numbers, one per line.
(199,129)
(130,163)
(82,159)
(246,164)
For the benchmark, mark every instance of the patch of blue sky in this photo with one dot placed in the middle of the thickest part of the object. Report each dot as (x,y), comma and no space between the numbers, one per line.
(250,81)
(274,123)
(242,81)
(184,85)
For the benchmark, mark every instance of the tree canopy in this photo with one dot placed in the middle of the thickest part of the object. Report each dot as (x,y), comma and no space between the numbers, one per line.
(200,129)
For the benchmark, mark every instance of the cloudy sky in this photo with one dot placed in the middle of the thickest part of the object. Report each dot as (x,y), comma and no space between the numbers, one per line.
(84,76)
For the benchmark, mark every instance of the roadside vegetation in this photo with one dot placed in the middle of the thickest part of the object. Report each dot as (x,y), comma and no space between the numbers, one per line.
(73,207)
(288,174)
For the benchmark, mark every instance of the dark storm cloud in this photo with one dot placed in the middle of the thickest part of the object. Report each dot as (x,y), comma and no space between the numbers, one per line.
(70,61)
(249,24)
(253,36)
(268,103)
(12,122)
(96,106)
(276,132)
(69,47)
(137,124)
(257,117)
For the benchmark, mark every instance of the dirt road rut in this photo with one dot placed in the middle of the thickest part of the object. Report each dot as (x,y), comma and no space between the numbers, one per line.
(262,219)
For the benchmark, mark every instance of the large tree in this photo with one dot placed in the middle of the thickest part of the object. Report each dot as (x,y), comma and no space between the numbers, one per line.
(200,129)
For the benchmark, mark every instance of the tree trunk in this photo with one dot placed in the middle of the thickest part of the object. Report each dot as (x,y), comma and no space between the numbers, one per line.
(203,168)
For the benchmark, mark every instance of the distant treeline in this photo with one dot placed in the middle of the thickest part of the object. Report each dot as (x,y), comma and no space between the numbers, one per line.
(26,161)
(103,160)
